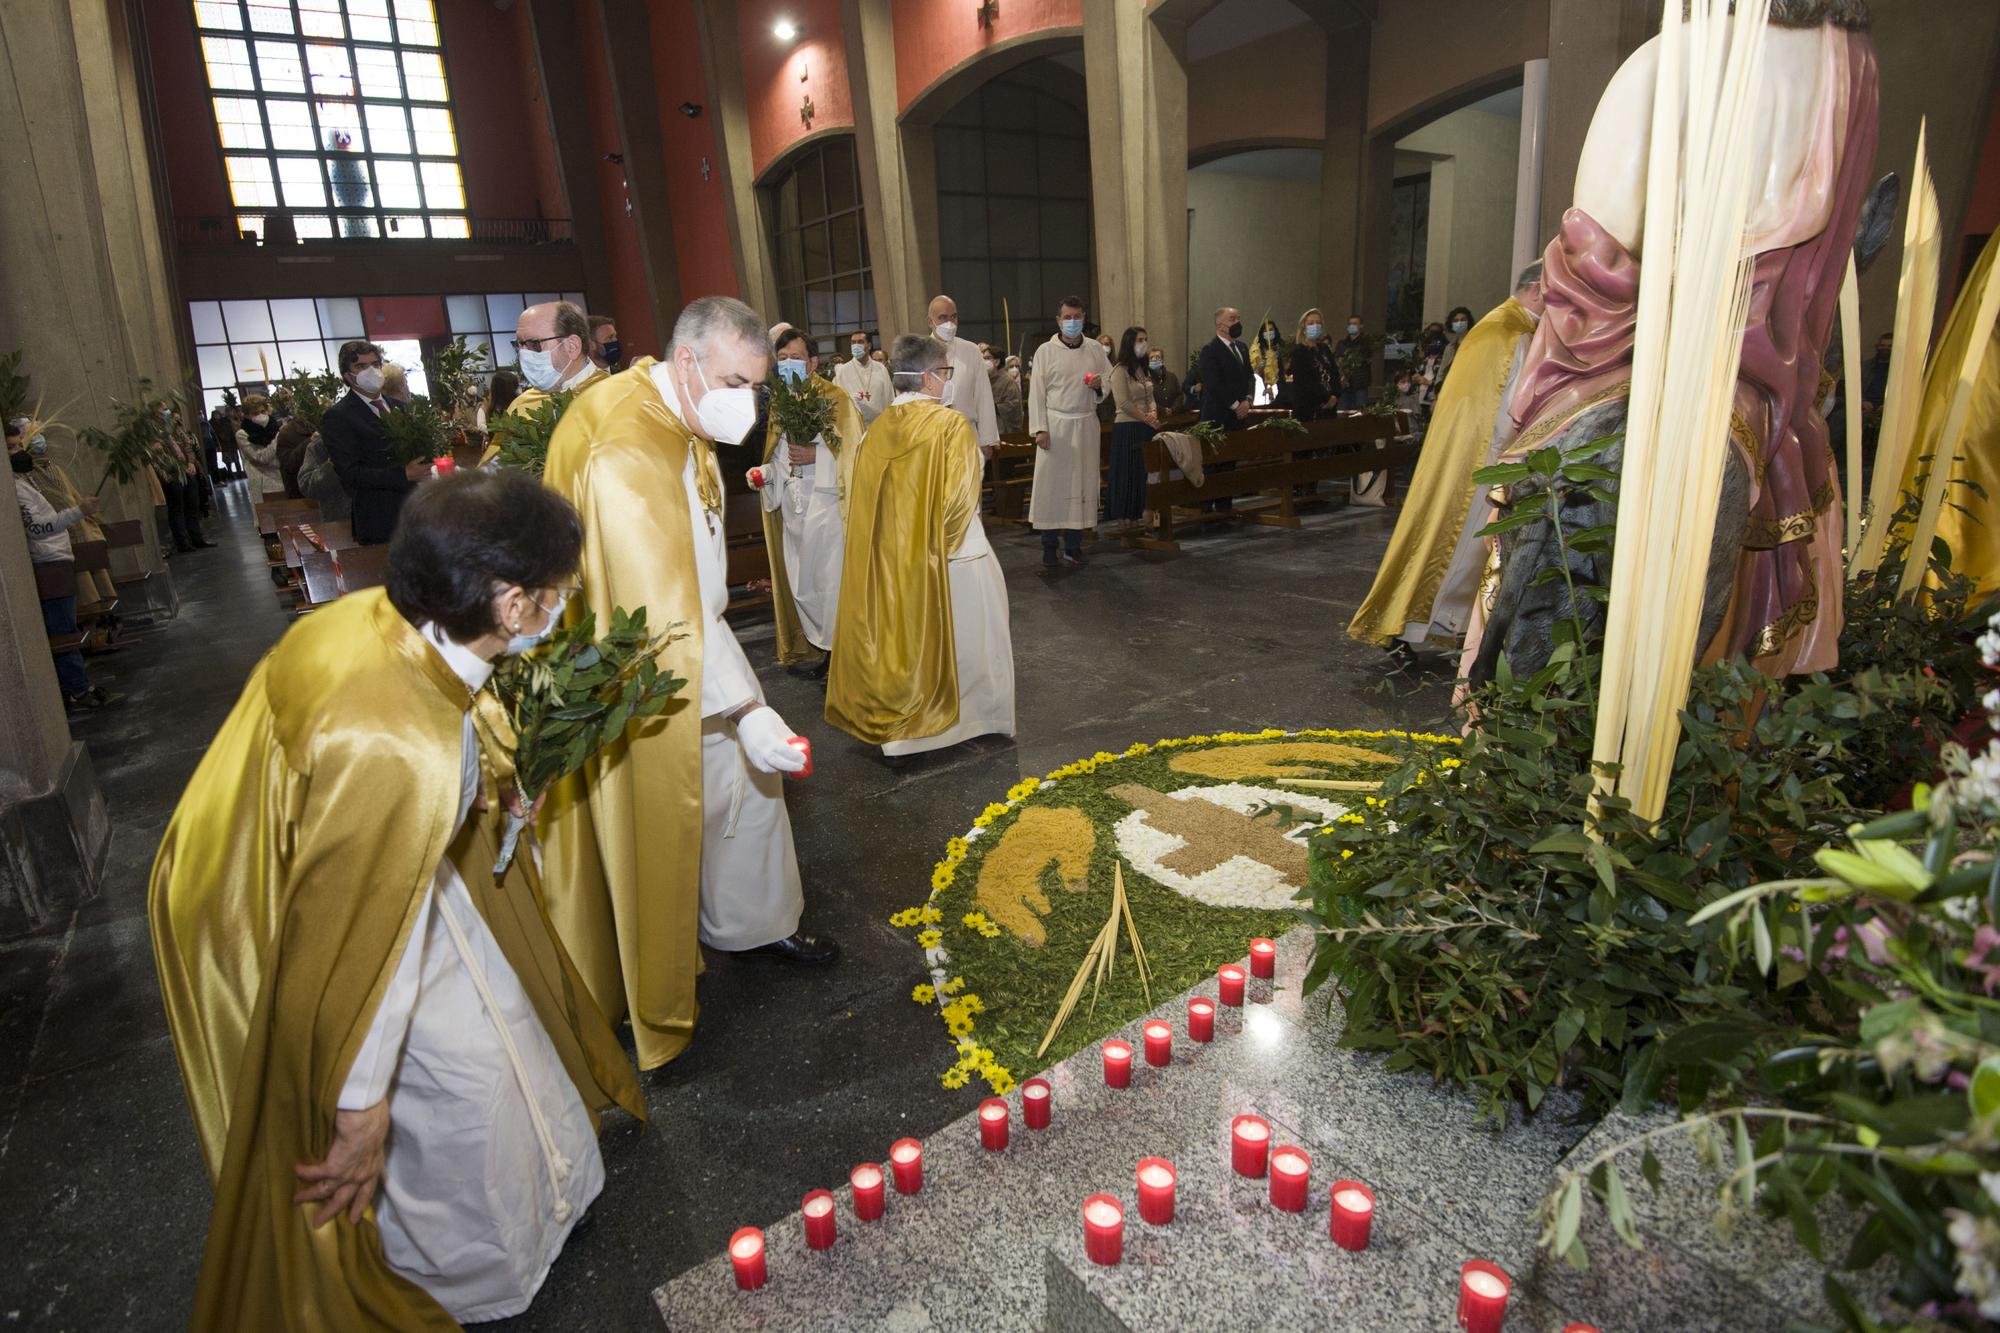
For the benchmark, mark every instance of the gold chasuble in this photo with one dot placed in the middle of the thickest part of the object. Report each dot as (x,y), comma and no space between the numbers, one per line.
(622,839)
(525,402)
(282,899)
(793,646)
(1461,433)
(912,496)
(1974,538)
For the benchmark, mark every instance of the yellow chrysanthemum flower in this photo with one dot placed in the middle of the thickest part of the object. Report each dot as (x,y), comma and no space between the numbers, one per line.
(955,1078)
(972,1003)
(1000,1080)
(930,939)
(1347,853)
(954,986)
(990,931)
(960,1026)
(974,919)
(924,994)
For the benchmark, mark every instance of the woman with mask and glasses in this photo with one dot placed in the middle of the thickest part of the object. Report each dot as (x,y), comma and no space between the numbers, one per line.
(394,1068)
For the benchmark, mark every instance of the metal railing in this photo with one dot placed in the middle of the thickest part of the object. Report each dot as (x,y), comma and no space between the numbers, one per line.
(483,231)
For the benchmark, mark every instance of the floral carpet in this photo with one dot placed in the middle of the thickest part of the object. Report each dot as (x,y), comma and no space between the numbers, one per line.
(1213,845)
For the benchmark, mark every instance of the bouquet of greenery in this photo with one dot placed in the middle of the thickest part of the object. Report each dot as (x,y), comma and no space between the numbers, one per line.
(452,368)
(311,394)
(1208,434)
(523,437)
(417,432)
(1290,425)
(803,413)
(141,439)
(573,695)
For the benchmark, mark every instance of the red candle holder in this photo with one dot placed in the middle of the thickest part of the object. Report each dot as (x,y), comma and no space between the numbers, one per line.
(817,1209)
(755,476)
(1579,1328)
(906,1164)
(1035,1103)
(746,1256)
(993,1123)
(1156,1190)
(444,465)
(1482,1297)
(805,749)
(868,1192)
(1291,1176)
(1159,1043)
(1263,958)
(1229,980)
(1249,1145)
(1353,1214)
(1201,1019)
(1103,1229)
(1117,1064)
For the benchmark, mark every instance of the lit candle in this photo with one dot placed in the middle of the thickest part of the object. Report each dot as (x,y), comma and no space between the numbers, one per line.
(1117,1064)
(1250,1142)
(1156,1190)
(1579,1328)
(1263,958)
(805,749)
(1103,1229)
(818,1210)
(1035,1102)
(444,465)
(993,1123)
(746,1256)
(906,1163)
(1291,1173)
(867,1182)
(1482,1297)
(755,476)
(1159,1044)
(1201,1019)
(1353,1214)
(1229,983)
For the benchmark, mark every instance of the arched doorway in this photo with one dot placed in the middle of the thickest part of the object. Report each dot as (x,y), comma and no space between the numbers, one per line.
(1451,225)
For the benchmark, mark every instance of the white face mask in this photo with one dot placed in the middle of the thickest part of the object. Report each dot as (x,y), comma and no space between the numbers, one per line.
(946,330)
(369,381)
(261,419)
(726,414)
(1139,348)
(539,369)
(988,363)
(860,351)
(522,643)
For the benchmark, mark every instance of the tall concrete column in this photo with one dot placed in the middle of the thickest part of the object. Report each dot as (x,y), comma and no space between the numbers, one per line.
(722,55)
(629,55)
(1344,174)
(1528,237)
(1135,79)
(559,60)
(896,162)
(1588,41)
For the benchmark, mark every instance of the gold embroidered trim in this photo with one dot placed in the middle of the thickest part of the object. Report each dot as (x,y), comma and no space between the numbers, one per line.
(1763,536)
(1540,432)
(1774,635)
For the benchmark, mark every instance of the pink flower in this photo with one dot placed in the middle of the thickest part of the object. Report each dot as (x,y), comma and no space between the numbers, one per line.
(1984,941)
(1874,936)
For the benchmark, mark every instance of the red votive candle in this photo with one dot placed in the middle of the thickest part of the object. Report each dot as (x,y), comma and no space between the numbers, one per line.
(1579,1328)
(1035,1101)
(818,1212)
(1263,958)
(1117,1064)
(1229,980)
(1353,1214)
(1159,1043)
(444,465)
(746,1256)
(1103,1229)
(755,476)
(1201,1019)
(1482,1297)
(1291,1173)
(867,1182)
(1249,1144)
(1156,1190)
(993,1123)
(805,749)
(906,1163)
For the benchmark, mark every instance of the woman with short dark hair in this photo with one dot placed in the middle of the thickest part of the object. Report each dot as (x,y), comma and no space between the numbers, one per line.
(364,1014)
(1138,420)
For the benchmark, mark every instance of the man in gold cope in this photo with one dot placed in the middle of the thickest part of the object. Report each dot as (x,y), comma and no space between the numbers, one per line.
(678,836)
(922,656)
(1430,574)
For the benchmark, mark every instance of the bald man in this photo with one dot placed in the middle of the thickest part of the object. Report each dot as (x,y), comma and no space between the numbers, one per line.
(971,392)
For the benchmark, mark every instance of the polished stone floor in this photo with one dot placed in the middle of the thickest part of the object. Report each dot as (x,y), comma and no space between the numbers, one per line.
(794,1075)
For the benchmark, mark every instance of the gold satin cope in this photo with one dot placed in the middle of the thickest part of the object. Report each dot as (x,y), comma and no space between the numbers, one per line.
(281,900)
(525,402)
(793,646)
(912,497)
(622,839)
(1974,538)
(1461,433)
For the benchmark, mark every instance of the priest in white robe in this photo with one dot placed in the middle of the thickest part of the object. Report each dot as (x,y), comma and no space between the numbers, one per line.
(973,398)
(1068,380)
(864,380)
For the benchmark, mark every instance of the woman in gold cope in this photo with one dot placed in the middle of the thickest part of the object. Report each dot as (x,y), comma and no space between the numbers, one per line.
(394,1069)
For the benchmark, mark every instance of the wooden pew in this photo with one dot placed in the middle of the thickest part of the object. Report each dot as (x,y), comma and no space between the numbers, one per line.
(152,592)
(57,578)
(749,558)
(328,575)
(271,513)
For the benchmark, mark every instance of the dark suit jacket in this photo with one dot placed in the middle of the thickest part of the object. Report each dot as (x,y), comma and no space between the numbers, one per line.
(359,449)
(1225,381)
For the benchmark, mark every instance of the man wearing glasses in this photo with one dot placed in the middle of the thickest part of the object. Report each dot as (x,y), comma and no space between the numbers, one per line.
(552,347)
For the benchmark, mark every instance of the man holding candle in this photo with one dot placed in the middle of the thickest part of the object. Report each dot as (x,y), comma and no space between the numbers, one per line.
(679,836)
(1069,381)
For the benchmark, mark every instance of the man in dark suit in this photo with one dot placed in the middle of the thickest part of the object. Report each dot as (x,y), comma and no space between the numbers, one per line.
(359,448)
(1226,384)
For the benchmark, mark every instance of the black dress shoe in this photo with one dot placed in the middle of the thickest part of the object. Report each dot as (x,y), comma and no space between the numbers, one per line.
(799,947)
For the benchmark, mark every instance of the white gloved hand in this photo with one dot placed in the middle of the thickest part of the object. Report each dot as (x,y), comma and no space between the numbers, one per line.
(766,741)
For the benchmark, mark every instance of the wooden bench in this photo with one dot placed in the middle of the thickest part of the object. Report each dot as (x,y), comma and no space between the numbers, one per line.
(57,578)
(272,513)
(749,558)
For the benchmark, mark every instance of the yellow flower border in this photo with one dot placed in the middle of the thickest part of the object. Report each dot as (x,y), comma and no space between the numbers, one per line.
(959,1006)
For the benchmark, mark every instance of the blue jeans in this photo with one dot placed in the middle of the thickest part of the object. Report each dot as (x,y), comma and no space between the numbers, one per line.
(58,618)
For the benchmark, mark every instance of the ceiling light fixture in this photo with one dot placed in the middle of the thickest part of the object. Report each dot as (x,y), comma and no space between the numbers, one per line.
(784,30)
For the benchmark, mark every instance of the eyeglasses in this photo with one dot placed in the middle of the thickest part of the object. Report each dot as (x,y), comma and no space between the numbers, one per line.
(536,344)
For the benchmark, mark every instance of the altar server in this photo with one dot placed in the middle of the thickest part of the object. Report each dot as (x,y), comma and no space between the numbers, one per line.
(1067,382)
(804,490)
(973,398)
(923,657)
(679,837)
(362,1013)
(864,379)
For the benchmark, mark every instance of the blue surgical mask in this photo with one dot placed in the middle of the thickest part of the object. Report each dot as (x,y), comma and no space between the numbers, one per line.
(793,369)
(522,643)
(1313,331)
(1072,328)
(1353,329)
(1459,326)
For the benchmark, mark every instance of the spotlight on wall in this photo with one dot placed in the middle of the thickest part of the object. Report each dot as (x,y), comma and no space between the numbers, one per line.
(784,30)
(690,109)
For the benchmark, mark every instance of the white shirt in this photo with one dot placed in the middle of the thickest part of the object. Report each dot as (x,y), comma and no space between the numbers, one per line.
(867,382)
(972,398)
(48,527)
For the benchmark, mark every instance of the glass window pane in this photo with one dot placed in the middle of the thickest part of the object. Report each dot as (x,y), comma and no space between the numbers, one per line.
(349,176)
(279,69)
(424,75)
(353,226)
(216,370)
(368,20)
(466,314)
(291,125)
(332,72)
(434,133)
(313,227)
(380,75)
(218,14)
(250,182)
(396,183)
(321,18)
(252,359)
(340,127)
(247,320)
(407,227)
(304,183)
(251,225)
(239,122)
(818,251)
(841,186)
(961,225)
(340,317)
(388,128)
(206,317)
(812,189)
(266,16)
(450,228)
(416,23)
(228,62)
(575,298)
(294,319)
(442,189)
(303,355)
(503,311)
(846,242)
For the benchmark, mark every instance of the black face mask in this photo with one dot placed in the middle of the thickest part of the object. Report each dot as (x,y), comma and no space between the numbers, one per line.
(613,352)
(23,461)
(1236,329)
